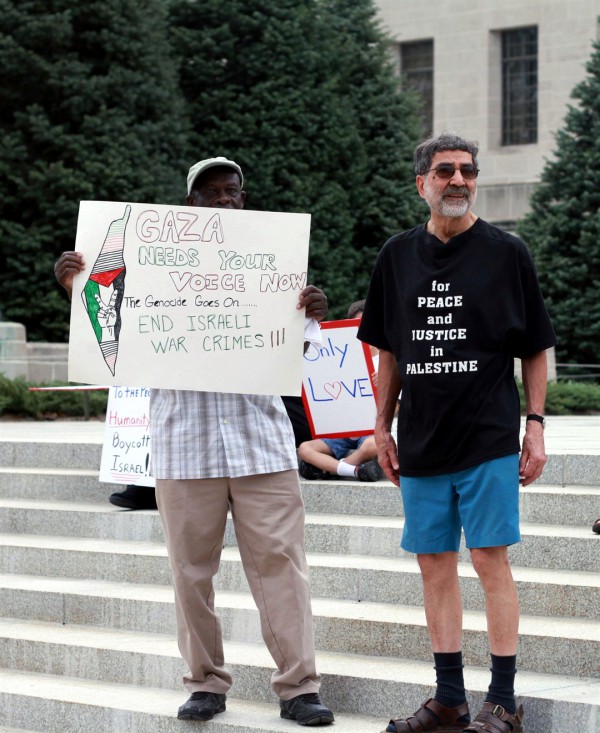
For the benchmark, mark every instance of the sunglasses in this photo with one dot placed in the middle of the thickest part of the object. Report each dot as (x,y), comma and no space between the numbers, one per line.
(445,171)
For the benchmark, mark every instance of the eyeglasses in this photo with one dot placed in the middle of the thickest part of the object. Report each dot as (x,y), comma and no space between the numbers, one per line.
(445,171)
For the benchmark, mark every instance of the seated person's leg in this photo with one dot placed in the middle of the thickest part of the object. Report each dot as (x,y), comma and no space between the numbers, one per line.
(366,451)
(363,460)
(318,453)
(339,456)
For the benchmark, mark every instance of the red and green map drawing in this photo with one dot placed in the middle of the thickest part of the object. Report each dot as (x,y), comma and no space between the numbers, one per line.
(103,292)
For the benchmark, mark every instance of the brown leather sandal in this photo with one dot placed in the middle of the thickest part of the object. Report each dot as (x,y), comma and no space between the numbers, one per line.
(495,719)
(433,717)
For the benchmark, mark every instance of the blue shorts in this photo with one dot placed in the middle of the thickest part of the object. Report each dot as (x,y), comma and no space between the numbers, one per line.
(483,500)
(340,447)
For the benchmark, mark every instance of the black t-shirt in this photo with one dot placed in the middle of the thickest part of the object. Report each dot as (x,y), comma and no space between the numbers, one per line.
(455,315)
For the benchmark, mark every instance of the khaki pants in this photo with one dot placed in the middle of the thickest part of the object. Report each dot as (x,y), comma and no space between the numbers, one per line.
(268,517)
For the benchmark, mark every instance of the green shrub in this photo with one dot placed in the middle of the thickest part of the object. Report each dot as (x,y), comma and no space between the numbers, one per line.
(16,399)
(569,398)
(13,396)
(566,398)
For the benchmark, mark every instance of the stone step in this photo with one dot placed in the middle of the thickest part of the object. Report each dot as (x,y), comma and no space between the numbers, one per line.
(375,579)
(541,503)
(55,484)
(85,453)
(103,663)
(356,628)
(92,520)
(546,546)
(72,705)
(565,505)
(580,469)
(96,559)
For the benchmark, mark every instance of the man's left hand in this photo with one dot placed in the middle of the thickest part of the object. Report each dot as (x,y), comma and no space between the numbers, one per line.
(533,455)
(315,301)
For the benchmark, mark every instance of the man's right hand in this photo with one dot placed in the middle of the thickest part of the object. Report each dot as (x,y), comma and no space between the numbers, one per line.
(387,454)
(66,267)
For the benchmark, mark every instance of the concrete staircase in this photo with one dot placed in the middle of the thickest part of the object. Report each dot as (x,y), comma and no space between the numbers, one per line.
(87,615)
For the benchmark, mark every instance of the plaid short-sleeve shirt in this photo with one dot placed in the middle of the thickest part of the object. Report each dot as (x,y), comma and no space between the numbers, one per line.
(215,434)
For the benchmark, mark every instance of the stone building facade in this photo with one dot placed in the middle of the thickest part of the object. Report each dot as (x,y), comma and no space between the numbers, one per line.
(497,71)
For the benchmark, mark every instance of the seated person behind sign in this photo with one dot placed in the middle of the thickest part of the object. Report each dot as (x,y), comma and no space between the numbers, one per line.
(346,457)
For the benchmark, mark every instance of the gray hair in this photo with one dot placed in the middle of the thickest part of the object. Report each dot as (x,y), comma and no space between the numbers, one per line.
(426,150)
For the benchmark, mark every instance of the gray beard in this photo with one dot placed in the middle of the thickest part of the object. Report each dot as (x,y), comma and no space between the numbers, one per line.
(454,210)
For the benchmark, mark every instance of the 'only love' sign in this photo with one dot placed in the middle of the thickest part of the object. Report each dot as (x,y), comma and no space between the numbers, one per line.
(337,386)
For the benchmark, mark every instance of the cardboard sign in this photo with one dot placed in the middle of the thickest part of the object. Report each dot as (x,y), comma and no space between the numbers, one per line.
(126,448)
(337,388)
(189,298)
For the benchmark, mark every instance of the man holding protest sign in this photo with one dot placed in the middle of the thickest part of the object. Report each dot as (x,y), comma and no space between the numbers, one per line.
(218,451)
(450,304)
(214,452)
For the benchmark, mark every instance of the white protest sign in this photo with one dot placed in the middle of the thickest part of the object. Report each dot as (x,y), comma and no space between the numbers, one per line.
(126,449)
(189,298)
(337,390)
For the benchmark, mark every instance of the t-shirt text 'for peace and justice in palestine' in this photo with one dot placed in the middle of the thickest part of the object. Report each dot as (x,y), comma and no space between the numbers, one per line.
(439,331)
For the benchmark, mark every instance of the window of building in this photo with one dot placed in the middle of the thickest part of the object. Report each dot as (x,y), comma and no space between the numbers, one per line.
(520,86)
(416,67)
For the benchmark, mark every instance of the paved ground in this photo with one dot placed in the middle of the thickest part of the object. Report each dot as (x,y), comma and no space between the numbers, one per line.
(565,434)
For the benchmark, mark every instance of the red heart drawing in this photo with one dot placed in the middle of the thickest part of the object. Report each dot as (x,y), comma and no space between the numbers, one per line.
(334,389)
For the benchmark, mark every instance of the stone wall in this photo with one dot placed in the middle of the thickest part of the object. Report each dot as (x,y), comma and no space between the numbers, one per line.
(36,362)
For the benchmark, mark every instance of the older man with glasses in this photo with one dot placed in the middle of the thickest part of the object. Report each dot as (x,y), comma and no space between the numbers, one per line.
(451,303)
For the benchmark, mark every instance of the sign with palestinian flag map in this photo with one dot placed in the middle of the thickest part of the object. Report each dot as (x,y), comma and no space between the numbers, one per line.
(104,290)
(189,298)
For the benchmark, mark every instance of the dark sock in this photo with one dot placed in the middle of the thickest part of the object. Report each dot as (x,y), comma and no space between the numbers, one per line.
(450,690)
(502,687)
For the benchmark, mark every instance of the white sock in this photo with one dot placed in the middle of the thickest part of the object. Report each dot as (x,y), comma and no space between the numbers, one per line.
(345,469)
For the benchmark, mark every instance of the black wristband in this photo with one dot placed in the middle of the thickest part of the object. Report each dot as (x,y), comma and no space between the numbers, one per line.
(538,418)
